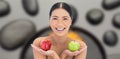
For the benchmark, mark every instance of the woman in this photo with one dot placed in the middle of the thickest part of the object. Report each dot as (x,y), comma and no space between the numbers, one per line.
(60,22)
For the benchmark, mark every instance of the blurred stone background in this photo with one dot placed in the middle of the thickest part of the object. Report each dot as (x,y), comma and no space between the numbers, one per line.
(97,21)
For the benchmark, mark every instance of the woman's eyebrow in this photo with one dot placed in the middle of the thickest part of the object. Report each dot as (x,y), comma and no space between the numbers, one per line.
(54,16)
(65,17)
(62,17)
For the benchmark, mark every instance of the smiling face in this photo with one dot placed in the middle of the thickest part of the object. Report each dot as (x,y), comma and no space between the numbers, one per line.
(60,21)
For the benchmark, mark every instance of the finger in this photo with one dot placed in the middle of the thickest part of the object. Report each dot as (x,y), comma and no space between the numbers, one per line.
(35,47)
(49,52)
(68,52)
(38,49)
(81,50)
(75,54)
(78,52)
(83,47)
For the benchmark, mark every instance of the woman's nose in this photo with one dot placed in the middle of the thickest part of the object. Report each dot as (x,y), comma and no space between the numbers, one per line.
(60,22)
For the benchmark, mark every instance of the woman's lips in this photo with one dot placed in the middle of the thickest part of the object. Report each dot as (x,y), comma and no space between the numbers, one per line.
(60,29)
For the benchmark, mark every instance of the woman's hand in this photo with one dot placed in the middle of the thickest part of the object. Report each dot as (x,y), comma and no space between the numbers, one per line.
(69,53)
(75,53)
(50,53)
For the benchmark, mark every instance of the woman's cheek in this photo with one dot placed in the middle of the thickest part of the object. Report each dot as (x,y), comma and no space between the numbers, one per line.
(67,24)
(54,24)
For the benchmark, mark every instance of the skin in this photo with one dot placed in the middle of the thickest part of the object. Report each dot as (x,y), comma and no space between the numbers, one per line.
(60,18)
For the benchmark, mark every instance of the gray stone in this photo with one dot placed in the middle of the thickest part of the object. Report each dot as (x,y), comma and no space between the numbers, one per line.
(110,4)
(110,38)
(116,20)
(4,8)
(16,33)
(95,16)
(30,6)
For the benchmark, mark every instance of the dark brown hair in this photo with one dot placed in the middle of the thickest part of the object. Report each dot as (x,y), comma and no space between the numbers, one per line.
(62,5)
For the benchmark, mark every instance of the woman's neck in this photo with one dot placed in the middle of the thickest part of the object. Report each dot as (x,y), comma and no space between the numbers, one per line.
(59,39)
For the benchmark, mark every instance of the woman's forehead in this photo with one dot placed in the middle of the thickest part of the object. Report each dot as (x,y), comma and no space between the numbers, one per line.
(60,12)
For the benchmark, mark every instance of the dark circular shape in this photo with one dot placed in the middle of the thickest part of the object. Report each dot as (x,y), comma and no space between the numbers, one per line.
(16,33)
(92,42)
(95,16)
(4,8)
(110,4)
(116,20)
(110,38)
(30,6)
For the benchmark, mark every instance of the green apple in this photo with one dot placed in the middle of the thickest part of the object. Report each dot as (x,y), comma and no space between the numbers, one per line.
(73,46)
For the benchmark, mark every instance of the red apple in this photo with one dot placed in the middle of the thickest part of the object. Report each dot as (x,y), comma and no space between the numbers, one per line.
(45,45)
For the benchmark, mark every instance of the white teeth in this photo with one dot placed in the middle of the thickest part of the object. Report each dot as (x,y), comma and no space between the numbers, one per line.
(60,29)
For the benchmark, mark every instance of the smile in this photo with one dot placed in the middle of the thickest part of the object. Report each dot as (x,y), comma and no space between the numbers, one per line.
(60,29)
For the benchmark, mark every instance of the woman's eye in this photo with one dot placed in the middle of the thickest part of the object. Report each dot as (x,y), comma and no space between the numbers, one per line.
(54,18)
(65,18)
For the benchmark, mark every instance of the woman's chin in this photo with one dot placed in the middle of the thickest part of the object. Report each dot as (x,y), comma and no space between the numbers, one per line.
(60,34)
